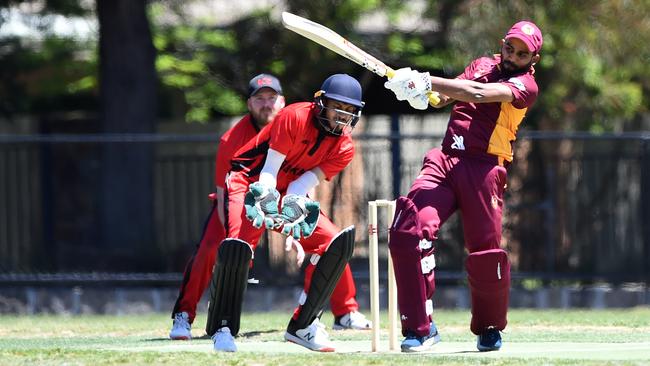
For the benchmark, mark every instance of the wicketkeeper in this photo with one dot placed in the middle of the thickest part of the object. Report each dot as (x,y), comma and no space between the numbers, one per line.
(267,187)
(468,174)
(265,100)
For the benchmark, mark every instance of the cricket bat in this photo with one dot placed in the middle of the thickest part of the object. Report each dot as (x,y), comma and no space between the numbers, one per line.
(334,42)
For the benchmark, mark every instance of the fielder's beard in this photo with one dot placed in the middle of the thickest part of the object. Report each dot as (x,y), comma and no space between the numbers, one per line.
(264,116)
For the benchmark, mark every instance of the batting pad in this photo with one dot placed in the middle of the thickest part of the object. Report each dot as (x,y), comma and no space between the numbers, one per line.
(228,285)
(326,275)
(488,273)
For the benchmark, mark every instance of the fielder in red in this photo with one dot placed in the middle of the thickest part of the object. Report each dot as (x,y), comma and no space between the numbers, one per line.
(468,174)
(264,102)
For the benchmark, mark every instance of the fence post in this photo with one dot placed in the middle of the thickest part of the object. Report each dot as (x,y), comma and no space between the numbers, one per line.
(550,220)
(395,148)
(645,206)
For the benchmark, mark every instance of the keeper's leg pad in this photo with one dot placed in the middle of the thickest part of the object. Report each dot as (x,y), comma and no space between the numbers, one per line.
(488,273)
(228,285)
(326,275)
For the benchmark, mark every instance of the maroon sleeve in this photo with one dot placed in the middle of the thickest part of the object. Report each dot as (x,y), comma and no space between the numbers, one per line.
(470,70)
(524,89)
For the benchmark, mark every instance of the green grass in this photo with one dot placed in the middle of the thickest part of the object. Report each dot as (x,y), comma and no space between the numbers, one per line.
(533,337)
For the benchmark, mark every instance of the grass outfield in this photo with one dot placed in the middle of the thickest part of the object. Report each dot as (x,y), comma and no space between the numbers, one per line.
(533,337)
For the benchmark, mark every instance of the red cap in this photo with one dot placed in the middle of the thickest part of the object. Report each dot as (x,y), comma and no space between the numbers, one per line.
(529,33)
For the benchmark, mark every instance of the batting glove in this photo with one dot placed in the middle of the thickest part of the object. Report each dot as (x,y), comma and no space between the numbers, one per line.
(261,204)
(299,215)
(412,86)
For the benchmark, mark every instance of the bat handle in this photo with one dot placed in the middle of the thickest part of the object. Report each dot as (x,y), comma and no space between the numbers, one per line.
(434,98)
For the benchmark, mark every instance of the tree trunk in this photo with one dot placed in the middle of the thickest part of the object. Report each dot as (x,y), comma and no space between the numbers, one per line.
(128,105)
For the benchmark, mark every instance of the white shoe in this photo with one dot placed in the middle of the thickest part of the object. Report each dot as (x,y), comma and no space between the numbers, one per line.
(181,329)
(313,337)
(224,341)
(353,320)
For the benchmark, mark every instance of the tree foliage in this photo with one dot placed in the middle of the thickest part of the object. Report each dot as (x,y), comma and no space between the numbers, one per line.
(51,72)
(593,74)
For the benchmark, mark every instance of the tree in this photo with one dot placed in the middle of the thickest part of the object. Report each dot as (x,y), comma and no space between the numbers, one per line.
(128,105)
(127,101)
(593,74)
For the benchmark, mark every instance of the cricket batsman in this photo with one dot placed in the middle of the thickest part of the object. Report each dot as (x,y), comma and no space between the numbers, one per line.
(468,173)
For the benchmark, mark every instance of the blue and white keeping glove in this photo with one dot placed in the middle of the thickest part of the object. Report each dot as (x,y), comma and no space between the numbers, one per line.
(261,204)
(300,215)
(412,86)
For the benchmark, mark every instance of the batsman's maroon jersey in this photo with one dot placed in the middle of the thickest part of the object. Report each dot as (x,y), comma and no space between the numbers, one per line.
(294,133)
(488,129)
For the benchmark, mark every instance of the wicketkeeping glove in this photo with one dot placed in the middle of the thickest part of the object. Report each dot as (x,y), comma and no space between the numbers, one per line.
(300,215)
(261,204)
(412,86)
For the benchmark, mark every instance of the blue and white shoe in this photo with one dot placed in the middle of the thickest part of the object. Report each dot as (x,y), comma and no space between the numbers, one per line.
(416,343)
(490,340)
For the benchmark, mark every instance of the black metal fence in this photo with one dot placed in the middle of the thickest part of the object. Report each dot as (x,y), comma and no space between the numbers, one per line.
(577,205)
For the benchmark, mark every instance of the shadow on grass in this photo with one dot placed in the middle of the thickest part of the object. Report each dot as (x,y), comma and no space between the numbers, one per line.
(259,332)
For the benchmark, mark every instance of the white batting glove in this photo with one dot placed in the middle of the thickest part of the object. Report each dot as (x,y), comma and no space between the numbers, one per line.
(420,101)
(410,85)
(394,84)
(290,243)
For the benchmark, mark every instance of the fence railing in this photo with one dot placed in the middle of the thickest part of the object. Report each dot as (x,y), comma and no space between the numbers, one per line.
(577,205)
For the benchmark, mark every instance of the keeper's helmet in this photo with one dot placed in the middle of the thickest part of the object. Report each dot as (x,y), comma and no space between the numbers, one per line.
(345,89)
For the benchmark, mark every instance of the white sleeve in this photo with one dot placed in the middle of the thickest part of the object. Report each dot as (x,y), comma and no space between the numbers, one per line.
(272,165)
(303,184)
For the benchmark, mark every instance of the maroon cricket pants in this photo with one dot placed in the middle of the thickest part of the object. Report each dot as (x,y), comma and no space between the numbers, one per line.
(445,184)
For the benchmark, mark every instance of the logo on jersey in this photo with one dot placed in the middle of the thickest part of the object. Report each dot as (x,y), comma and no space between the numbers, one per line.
(290,169)
(458,143)
(494,202)
(517,83)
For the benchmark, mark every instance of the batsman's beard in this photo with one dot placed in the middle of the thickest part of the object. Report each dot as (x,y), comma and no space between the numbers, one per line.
(511,68)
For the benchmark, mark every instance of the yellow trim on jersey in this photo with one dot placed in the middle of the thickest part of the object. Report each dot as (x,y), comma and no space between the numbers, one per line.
(505,131)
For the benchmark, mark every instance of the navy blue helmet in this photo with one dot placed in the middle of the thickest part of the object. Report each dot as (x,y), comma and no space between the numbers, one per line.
(345,89)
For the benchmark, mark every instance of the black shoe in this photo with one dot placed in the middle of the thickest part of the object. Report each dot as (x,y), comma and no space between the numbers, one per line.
(490,340)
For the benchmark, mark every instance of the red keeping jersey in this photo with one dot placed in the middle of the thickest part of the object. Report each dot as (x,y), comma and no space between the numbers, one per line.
(488,129)
(239,134)
(294,133)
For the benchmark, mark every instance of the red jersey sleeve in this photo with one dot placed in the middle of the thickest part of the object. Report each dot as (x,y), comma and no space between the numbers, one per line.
(285,128)
(339,159)
(230,142)
(224,153)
